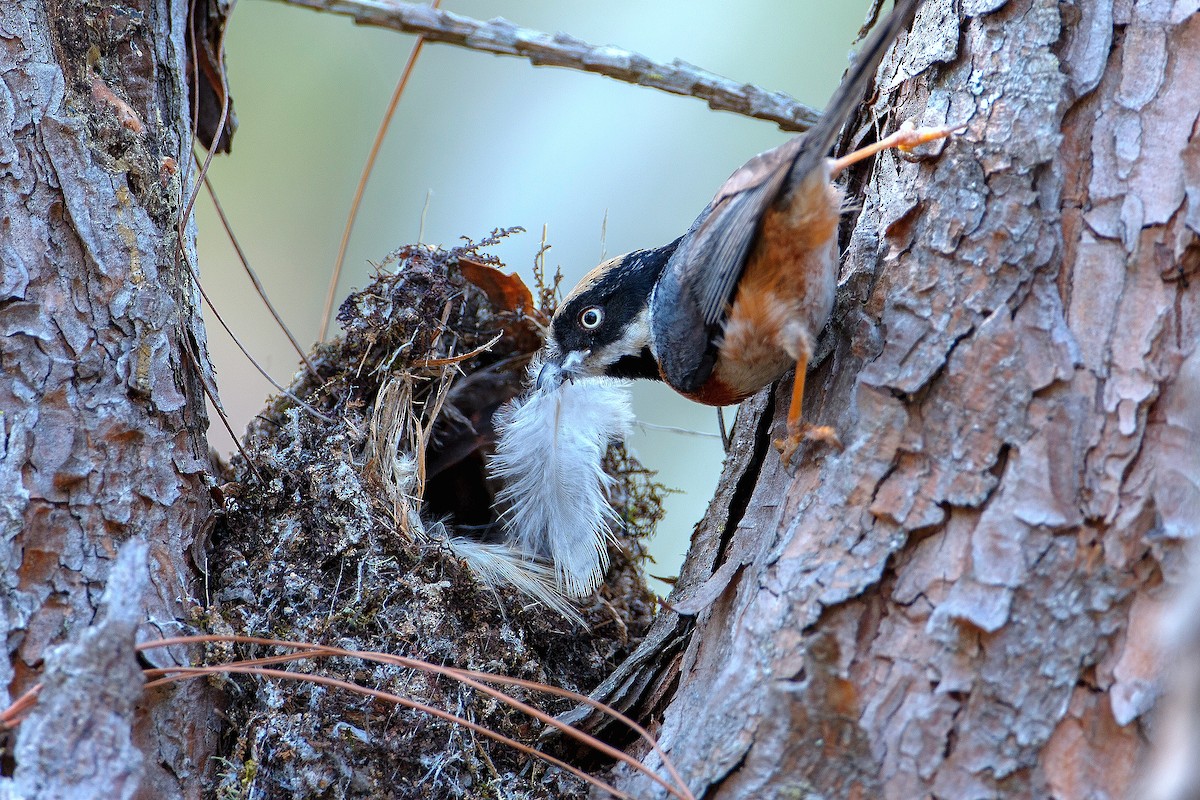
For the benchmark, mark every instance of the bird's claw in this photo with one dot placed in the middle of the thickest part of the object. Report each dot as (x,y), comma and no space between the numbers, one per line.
(805,432)
(909,137)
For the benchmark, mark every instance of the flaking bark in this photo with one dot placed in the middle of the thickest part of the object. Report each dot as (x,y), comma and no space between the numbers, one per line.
(90,688)
(102,423)
(963,603)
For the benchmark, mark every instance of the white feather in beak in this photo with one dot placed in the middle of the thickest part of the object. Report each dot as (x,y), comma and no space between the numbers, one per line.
(549,456)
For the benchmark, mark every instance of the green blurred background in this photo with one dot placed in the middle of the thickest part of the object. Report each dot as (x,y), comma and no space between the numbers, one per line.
(493,142)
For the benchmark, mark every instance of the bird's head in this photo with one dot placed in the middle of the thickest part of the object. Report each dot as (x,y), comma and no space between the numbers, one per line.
(603,326)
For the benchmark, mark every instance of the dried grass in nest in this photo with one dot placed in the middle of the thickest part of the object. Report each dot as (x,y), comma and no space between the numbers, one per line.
(343,543)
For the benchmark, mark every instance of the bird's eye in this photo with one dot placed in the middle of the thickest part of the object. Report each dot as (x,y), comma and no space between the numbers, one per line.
(591,318)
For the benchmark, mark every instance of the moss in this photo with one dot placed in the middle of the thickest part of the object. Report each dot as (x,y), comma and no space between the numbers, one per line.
(311,549)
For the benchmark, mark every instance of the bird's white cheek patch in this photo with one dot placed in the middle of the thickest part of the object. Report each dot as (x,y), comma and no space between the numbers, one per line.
(635,336)
(555,496)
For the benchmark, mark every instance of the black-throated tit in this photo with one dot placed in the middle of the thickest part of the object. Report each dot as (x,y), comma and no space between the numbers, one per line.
(735,302)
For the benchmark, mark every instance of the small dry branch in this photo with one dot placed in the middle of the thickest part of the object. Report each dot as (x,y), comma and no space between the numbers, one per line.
(501,37)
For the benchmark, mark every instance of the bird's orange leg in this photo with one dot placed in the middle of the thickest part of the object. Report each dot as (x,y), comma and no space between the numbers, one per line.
(906,138)
(798,430)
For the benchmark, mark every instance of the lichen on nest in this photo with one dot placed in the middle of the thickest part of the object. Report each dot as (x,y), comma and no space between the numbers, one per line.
(319,544)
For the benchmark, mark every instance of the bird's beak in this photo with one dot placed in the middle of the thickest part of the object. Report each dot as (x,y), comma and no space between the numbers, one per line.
(556,370)
(550,377)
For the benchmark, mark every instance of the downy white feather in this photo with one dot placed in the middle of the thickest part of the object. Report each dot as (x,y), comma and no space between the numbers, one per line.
(497,565)
(549,456)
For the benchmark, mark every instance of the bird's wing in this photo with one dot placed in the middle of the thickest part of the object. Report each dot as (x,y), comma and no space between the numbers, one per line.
(716,252)
(699,282)
(694,292)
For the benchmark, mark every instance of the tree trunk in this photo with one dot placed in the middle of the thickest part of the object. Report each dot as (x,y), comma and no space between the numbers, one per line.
(101,402)
(962,603)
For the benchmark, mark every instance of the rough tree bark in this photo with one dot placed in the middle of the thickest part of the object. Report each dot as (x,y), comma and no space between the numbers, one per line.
(962,604)
(102,355)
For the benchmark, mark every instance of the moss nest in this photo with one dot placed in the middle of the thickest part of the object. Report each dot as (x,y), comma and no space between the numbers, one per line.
(334,532)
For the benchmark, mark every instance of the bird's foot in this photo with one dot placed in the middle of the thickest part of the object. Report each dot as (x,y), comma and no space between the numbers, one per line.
(804,432)
(906,139)
(909,136)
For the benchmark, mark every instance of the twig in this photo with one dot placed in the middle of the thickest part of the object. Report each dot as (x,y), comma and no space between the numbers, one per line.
(501,37)
(441,362)
(253,276)
(368,168)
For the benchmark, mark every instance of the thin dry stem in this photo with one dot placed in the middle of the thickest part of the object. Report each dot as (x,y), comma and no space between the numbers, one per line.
(188,673)
(433,406)
(190,350)
(250,273)
(469,677)
(442,362)
(368,168)
(397,427)
(501,37)
(181,228)
(11,716)
(308,409)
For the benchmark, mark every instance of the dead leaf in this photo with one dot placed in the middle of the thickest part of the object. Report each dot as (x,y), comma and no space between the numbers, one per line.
(505,292)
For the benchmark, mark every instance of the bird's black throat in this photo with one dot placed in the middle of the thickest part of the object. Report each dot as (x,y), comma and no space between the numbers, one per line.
(642,365)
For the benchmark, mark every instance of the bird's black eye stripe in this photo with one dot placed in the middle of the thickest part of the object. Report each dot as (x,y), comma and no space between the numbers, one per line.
(591,317)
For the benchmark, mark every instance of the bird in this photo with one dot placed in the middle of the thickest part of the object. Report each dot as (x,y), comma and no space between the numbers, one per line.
(729,307)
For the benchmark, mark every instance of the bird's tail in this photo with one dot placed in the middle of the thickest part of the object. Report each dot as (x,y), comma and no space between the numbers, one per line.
(821,137)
